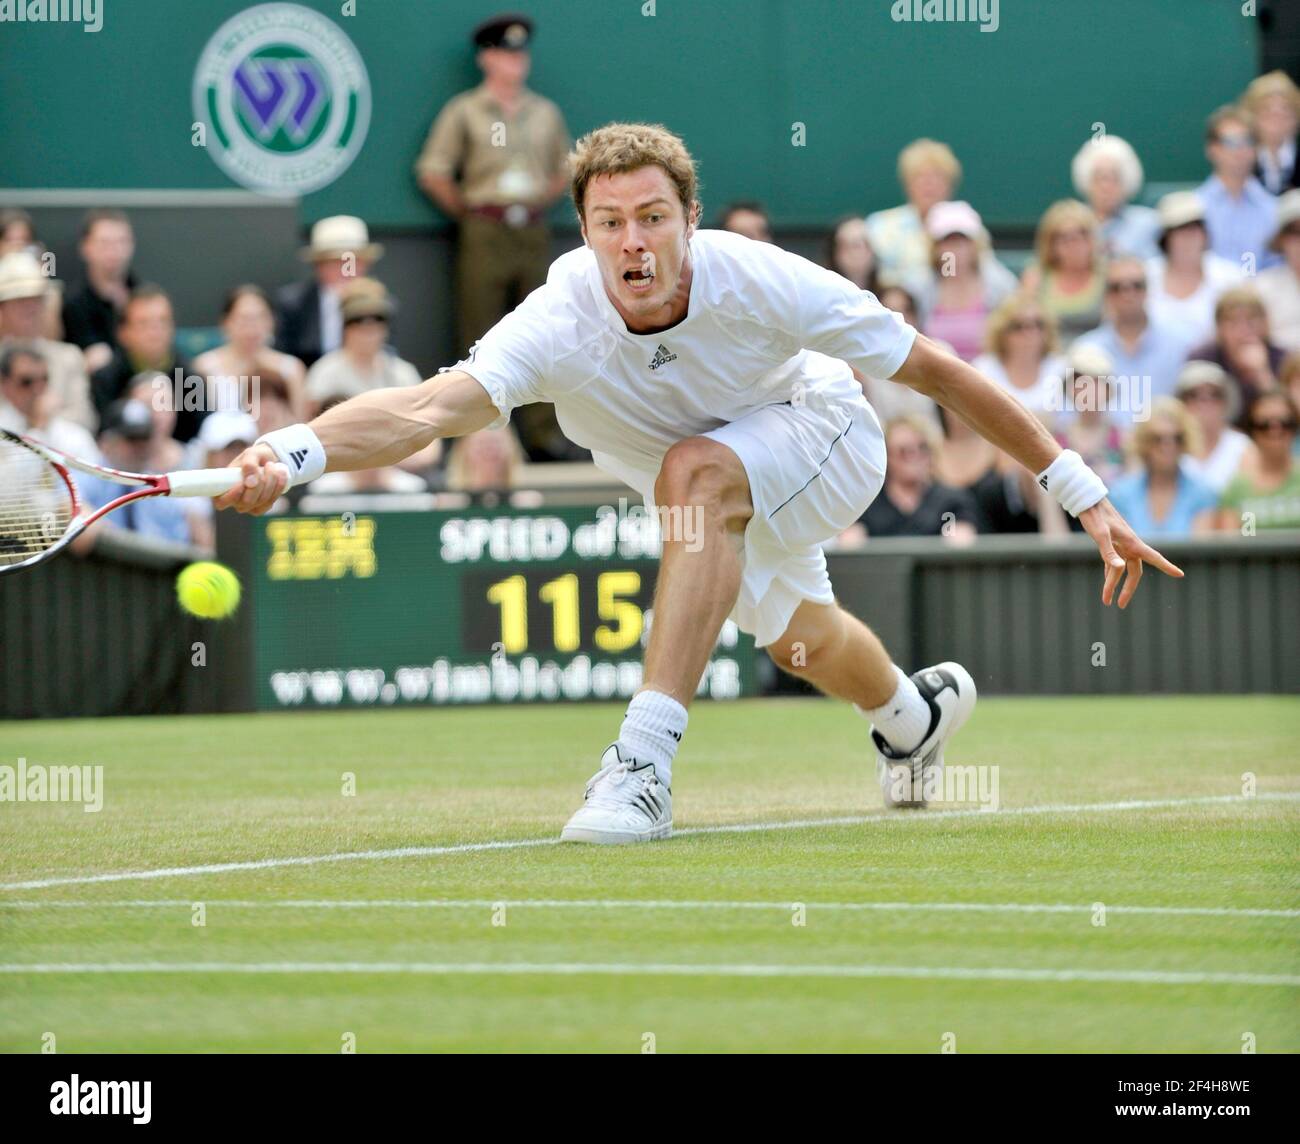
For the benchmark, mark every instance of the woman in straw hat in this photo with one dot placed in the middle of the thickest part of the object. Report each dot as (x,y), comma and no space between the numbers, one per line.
(1211,397)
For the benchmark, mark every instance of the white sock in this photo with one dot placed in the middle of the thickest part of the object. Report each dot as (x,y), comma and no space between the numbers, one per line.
(904,719)
(652,729)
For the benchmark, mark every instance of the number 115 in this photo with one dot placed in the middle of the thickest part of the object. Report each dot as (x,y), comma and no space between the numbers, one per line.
(561,595)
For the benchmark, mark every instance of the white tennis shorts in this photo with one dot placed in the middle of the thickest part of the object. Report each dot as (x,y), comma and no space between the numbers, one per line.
(813,470)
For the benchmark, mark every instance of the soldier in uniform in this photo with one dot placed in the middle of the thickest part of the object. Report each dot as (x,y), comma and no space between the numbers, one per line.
(496,158)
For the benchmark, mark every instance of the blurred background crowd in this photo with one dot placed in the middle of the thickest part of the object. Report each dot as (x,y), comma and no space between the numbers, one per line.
(1159,337)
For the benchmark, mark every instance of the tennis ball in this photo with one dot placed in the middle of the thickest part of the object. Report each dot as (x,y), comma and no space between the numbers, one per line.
(207,590)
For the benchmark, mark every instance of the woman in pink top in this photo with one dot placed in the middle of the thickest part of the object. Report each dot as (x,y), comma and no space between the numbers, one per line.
(962,296)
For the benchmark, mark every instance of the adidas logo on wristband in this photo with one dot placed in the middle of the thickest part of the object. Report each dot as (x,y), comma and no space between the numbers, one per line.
(299,449)
(1072,482)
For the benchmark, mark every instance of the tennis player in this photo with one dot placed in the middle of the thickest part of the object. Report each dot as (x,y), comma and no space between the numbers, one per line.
(712,373)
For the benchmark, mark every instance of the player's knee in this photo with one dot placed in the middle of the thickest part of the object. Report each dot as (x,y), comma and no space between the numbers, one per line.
(690,469)
(698,471)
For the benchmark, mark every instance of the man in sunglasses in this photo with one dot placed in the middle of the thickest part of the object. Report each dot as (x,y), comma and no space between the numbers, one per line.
(1239,212)
(1147,355)
(25,293)
(26,405)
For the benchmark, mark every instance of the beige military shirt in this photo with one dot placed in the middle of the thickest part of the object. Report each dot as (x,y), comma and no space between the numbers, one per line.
(498,161)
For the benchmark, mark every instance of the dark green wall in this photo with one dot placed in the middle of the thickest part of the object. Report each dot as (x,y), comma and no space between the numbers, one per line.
(112,109)
(1025,615)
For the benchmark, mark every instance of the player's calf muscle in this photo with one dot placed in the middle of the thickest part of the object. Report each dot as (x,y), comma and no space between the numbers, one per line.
(816,632)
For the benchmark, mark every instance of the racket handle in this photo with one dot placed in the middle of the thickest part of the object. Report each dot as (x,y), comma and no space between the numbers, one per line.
(203,482)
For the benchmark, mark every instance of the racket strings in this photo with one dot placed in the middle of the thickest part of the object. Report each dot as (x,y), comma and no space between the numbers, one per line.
(36,504)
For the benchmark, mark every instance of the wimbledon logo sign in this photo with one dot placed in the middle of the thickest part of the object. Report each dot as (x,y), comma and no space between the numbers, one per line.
(284,97)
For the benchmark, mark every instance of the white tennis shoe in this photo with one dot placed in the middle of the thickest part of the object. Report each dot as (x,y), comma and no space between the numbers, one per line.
(625,802)
(909,781)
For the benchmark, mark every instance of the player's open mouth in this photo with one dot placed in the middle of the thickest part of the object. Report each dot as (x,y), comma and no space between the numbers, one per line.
(639,279)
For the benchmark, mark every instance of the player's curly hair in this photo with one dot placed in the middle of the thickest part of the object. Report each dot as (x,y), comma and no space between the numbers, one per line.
(618,148)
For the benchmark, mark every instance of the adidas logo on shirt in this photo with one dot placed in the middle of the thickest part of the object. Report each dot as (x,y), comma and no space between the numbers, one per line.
(663,355)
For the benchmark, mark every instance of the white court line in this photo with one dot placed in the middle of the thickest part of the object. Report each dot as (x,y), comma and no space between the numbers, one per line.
(884,817)
(642,969)
(651,904)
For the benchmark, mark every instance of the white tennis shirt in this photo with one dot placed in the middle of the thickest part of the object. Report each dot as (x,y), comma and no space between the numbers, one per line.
(763,327)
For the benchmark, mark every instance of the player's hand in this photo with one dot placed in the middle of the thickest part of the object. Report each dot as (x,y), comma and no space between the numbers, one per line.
(265,480)
(1122,550)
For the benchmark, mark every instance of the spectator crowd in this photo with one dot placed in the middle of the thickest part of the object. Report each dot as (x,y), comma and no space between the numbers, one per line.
(1161,342)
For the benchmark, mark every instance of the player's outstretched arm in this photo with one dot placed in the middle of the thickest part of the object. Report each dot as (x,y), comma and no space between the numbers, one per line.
(369,431)
(1001,419)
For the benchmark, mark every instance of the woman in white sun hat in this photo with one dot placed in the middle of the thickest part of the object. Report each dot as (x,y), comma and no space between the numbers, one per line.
(1185,280)
(1212,398)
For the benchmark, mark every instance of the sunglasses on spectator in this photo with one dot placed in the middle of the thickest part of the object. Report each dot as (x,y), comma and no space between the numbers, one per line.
(1026,324)
(1121,284)
(1286,424)
(1179,439)
(912,450)
(29,380)
(1205,393)
(366,320)
(1235,141)
(1077,232)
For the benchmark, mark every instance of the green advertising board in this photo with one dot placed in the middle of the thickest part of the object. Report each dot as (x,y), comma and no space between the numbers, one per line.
(369,609)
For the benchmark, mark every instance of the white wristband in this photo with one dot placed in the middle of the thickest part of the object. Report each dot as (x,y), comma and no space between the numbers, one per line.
(1072,483)
(299,450)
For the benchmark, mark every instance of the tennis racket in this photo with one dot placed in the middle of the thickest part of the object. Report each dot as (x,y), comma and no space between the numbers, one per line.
(41,511)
